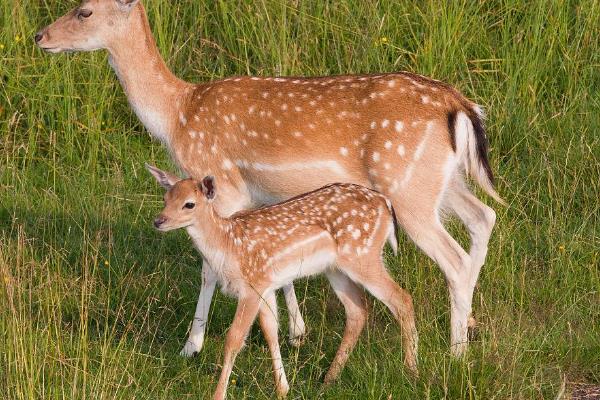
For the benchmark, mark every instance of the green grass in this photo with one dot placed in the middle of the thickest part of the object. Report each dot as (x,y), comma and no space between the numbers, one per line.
(95,304)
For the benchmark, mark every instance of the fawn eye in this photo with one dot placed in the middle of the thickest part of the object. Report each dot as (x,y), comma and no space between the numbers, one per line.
(189,206)
(81,14)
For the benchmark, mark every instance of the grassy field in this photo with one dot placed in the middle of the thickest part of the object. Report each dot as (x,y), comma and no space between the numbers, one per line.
(96,304)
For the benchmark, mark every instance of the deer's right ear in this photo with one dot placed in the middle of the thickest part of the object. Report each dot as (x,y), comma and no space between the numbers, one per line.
(164,178)
(126,5)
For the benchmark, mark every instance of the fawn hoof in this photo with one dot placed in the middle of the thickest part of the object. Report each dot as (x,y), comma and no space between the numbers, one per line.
(413,371)
(328,380)
(410,364)
(332,375)
(297,341)
(472,329)
(282,391)
(190,349)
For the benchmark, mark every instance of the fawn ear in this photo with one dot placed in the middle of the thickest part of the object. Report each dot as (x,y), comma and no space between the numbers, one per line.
(126,5)
(207,186)
(165,179)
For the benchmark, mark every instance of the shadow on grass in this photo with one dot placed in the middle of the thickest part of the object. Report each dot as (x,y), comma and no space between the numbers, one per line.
(127,281)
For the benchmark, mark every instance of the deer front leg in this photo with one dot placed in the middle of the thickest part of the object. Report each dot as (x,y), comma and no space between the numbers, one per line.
(196,337)
(245,314)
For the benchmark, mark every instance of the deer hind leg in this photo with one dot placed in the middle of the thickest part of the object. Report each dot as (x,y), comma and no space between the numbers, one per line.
(245,315)
(478,218)
(296,323)
(429,235)
(372,274)
(353,299)
(416,196)
(269,325)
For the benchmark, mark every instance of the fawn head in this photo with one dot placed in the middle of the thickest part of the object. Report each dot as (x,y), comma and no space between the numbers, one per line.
(185,200)
(93,25)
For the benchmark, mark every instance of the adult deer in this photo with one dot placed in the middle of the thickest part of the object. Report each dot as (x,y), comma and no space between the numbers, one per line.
(268,139)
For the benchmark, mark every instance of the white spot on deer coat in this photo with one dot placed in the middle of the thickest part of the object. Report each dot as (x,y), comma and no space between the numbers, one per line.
(399,126)
(401,150)
(227,165)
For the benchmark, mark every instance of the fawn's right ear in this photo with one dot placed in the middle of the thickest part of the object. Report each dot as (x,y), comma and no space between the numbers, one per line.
(164,178)
(207,186)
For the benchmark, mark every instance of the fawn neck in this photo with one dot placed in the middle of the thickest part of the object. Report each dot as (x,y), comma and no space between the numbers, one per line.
(151,88)
(210,233)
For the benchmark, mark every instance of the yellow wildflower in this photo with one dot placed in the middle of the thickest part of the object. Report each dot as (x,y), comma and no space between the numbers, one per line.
(106,262)
(1,46)
(561,247)
(17,38)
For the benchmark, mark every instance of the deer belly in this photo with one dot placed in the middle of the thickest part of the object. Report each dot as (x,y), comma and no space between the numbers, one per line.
(303,257)
(272,182)
(309,265)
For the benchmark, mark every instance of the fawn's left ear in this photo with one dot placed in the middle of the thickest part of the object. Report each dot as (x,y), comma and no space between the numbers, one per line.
(207,186)
(164,178)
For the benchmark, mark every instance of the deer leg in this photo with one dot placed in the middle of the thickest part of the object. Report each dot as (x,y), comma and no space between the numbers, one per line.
(373,275)
(196,337)
(478,218)
(429,234)
(268,323)
(296,323)
(355,306)
(245,315)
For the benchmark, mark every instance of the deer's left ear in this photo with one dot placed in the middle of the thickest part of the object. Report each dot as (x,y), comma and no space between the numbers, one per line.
(207,186)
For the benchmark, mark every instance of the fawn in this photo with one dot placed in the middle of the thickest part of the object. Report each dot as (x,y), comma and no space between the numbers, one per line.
(339,230)
(267,139)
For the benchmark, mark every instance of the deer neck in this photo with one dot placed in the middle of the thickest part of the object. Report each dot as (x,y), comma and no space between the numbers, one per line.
(152,90)
(210,234)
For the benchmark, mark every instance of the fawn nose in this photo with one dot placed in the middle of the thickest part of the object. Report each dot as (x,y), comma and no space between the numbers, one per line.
(159,221)
(38,36)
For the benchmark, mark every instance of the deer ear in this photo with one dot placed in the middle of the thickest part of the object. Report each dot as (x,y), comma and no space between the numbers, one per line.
(207,186)
(126,5)
(165,179)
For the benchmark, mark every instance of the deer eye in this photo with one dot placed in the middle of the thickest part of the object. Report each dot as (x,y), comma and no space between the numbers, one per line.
(81,14)
(189,206)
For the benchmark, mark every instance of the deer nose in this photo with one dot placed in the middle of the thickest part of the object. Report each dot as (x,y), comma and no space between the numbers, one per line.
(38,36)
(159,221)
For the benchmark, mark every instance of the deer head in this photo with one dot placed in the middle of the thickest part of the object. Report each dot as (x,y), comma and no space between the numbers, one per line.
(93,25)
(186,200)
